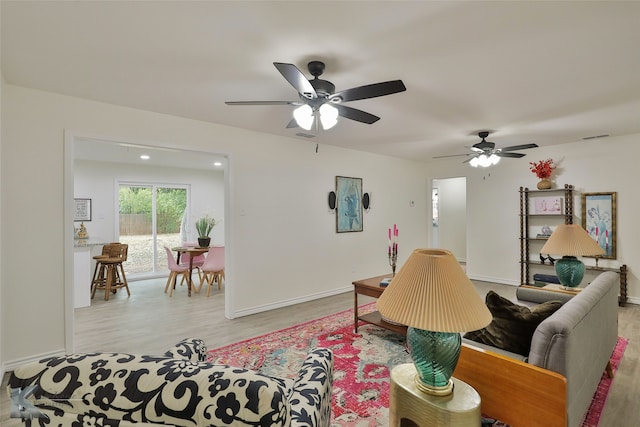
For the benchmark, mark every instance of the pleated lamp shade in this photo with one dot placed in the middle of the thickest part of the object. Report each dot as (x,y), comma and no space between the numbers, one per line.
(432,292)
(571,240)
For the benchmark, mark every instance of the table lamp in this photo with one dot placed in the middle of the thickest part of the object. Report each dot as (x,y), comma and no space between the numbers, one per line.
(433,296)
(570,241)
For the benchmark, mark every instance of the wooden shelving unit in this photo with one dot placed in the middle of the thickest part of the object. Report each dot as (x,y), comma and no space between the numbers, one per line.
(565,216)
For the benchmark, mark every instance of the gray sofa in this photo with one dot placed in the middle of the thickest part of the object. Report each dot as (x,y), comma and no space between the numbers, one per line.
(576,341)
(177,388)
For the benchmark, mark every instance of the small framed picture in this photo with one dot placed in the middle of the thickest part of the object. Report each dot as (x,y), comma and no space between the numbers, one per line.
(548,205)
(599,219)
(82,210)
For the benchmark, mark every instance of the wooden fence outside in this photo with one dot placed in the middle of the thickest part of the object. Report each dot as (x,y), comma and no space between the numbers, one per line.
(140,224)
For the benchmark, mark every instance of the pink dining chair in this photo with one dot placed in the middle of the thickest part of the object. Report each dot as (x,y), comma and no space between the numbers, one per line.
(198,260)
(213,268)
(175,269)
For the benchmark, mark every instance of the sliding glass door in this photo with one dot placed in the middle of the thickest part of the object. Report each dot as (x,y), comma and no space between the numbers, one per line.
(150,217)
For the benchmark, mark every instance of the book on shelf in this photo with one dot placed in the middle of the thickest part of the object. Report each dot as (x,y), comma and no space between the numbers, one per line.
(540,284)
(546,278)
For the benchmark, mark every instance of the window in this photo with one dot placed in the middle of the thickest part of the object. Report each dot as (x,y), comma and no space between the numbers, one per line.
(151,217)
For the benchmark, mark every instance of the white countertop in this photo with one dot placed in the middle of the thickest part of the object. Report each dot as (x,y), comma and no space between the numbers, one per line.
(88,242)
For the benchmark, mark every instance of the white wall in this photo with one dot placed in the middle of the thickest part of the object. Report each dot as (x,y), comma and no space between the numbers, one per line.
(280,235)
(1,258)
(281,238)
(97,181)
(493,202)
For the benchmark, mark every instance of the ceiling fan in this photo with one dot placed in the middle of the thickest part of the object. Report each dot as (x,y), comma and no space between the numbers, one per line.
(485,153)
(319,100)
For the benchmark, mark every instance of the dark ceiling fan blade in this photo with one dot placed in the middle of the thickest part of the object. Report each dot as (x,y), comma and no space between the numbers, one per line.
(519,147)
(370,91)
(292,124)
(263,103)
(513,155)
(296,79)
(355,114)
(452,155)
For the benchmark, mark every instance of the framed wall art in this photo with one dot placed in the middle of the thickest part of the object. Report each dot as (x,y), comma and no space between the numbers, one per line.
(548,205)
(599,219)
(82,210)
(349,204)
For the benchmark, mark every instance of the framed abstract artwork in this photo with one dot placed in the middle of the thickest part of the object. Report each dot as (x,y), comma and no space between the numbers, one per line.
(599,219)
(349,204)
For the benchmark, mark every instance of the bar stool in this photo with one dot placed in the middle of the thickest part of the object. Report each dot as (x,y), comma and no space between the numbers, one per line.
(99,273)
(109,272)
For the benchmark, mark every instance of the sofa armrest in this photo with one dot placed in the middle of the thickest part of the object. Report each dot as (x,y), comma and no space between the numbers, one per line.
(512,391)
(310,397)
(577,341)
(190,349)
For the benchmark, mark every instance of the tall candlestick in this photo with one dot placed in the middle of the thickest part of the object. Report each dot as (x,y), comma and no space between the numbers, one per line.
(392,251)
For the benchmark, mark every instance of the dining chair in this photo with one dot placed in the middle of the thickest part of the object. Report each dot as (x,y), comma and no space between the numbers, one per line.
(174,269)
(198,260)
(213,268)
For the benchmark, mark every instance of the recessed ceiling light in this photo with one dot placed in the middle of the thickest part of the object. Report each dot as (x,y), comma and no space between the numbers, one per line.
(145,157)
(217,164)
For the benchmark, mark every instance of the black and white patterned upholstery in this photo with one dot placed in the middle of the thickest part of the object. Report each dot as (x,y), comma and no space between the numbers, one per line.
(177,388)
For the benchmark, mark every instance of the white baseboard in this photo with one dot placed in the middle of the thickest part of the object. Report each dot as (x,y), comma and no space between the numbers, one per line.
(498,280)
(292,301)
(13,364)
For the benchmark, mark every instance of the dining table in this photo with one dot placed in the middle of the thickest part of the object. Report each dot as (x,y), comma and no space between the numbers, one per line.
(192,251)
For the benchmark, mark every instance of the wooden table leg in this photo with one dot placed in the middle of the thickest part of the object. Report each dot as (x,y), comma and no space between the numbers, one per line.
(355,311)
(190,273)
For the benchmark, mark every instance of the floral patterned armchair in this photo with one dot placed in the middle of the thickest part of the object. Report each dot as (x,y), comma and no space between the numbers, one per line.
(178,388)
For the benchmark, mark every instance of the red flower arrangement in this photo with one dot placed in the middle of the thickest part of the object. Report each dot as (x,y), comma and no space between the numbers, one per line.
(543,168)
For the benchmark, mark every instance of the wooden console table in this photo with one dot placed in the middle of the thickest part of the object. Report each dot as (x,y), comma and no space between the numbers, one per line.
(371,288)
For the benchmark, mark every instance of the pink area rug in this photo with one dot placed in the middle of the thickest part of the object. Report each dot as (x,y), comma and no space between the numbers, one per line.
(362,363)
(592,417)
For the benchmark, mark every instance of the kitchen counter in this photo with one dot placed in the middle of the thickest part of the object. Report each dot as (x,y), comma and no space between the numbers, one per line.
(83,265)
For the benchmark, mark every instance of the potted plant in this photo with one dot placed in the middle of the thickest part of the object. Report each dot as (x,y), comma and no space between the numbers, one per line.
(204,226)
(543,170)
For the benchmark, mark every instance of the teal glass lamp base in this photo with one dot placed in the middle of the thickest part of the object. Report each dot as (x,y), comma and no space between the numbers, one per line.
(570,271)
(435,356)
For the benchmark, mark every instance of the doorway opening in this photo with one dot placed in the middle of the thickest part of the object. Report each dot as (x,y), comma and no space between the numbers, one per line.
(449,215)
(103,155)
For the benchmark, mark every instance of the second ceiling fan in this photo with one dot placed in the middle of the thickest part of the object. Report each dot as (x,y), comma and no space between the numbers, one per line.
(485,153)
(319,100)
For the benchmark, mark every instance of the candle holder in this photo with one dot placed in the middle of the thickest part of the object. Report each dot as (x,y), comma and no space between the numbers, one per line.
(393,257)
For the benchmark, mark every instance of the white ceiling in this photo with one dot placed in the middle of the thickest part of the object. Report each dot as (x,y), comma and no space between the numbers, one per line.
(531,72)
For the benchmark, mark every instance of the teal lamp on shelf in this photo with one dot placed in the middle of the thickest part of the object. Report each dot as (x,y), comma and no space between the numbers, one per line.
(433,296)
(570,241)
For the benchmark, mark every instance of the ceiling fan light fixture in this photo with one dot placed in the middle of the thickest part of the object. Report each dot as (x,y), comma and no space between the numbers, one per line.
(484,161)
(304,116)
(328,116)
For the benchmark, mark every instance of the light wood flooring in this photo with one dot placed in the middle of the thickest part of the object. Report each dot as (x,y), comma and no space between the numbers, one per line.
(150,321)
